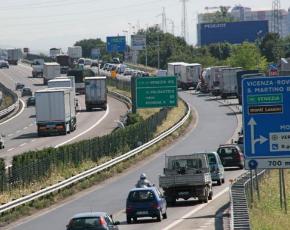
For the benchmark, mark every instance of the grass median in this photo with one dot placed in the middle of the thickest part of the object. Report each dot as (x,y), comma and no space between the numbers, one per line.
(173,117)
(267,214)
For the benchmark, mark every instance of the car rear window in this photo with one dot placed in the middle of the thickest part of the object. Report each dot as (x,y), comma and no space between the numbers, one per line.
(227,151)
(84,223)
(141,196)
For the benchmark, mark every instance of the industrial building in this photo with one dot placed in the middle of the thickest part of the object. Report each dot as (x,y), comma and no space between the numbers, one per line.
(245,14)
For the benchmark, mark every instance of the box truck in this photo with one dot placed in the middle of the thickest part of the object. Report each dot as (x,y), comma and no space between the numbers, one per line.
(51,70)
(95,93)
(189,75)
(37,67)
(75,52)
(174,69)
(13,56)
(55,111)
(228,82)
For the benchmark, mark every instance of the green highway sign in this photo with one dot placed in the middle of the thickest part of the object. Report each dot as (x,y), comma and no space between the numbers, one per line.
(264,99)
(154,92)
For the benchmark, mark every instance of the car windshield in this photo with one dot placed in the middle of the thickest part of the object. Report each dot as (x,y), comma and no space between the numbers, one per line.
(211,159)
(141,196)
(84,223)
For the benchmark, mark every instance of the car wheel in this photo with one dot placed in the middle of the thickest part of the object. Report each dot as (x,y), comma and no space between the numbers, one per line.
(159,216)
(164,215)
(129,220)
(241,166)
(135,219)
(219,182)
(210,195)
(223,180)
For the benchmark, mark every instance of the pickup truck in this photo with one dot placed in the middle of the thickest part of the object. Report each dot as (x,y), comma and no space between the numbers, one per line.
(186,176)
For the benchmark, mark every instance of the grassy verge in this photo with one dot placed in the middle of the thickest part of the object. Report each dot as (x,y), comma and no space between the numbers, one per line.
(266,214)
(26,210)
(6,102)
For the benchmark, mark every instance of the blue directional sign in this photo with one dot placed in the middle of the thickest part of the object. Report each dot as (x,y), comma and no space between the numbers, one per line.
(266,122)
(116,44)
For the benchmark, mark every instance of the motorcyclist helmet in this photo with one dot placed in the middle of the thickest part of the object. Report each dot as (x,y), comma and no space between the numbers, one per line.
(143,176)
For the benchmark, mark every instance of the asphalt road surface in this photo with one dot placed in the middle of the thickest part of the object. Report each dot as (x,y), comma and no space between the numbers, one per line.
(215,125)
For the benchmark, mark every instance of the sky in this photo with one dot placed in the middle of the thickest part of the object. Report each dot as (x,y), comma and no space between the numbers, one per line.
(43,24)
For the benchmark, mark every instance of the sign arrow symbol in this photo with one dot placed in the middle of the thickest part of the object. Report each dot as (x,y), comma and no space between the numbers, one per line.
(252,124)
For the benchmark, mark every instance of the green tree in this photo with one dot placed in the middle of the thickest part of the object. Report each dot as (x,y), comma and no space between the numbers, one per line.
(247,56)
(271,47)
(220,51)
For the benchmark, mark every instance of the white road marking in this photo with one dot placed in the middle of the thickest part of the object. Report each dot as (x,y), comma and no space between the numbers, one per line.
(18,131)
(10,149)
(33,140)
(23,144)
(9,135)
(31,124)
(16,115)
(173,224)
(25,127)
(97,123)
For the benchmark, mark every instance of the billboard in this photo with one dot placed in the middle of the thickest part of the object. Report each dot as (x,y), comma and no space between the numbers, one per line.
(232,32)
(95,53)
(116,44)
(138,42)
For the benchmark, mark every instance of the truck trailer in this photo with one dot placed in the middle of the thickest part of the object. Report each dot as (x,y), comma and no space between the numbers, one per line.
(51,70)
(228,82)
(14,55)
(95,93)
(55,111)
(189,75)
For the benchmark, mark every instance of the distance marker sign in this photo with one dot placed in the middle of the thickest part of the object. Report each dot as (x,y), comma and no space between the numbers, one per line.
(266,122)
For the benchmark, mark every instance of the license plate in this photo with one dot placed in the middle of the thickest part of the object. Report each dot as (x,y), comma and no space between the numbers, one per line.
(228,158)
(183,193)
(142,213)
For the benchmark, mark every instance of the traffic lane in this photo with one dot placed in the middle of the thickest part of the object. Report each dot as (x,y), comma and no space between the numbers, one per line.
(29,140)
(117,109)
(213,128)
(177,213)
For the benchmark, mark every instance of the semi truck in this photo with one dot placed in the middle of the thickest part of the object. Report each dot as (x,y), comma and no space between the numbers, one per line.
(174,69)
(75,52)
(37,67)
(228,82)
(186,176)
(95,92)
(51,70)
(55,111)
(189,75)
(14,55)
(65,62)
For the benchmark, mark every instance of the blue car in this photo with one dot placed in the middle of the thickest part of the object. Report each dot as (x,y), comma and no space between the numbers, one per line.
(216,168)
(145,202)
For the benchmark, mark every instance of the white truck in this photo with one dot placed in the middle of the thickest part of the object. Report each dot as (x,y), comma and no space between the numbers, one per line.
(37,67)
(55,111)
(174,69)
(14,55)
(210,79)
(53,52)
(51,70)
(186,176)
(75,52)
(95,92)
(189,75)
(228,82)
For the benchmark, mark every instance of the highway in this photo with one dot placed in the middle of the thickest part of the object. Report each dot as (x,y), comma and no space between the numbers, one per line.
(215,125)
(21,131)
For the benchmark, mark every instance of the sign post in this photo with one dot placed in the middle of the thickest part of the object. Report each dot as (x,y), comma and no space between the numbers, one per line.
(266,121)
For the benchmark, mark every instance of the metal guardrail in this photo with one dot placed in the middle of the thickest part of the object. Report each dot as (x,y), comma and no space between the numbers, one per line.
(8,110)
(240,219)
(87,173)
